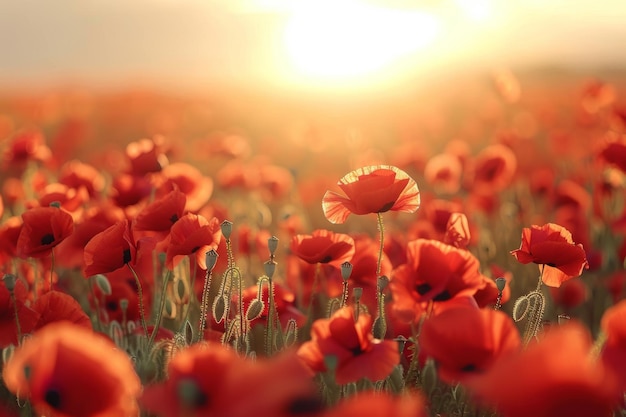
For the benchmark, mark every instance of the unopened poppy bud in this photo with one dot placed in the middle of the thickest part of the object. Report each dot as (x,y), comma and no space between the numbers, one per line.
(180,291)
(500,283)
(7,352)
(219,309)
(346,270)
(124,304)
(211,259)
(170,309)
(379,329)
(270,268)
(272,244)
(227,228)
(255,309)
(383,281)
(357,293)
(291,333)
(103,283)
(9,281)
(188,333)
(429,376)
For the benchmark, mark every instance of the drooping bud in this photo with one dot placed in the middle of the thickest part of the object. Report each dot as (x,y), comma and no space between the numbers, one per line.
(346,270)
(227,228)
(500,283)
(291,333)
(211,259)
(272,245)
(270,268)
(9,281)
(219,309)
(255,309)
(383,281)
(103,283)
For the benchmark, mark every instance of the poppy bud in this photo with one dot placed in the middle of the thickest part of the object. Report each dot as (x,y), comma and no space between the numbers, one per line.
(7,352)
(272,244)
(170,309)
(9,281)
(124,304)
(383,281)
(380,328)
(227,228)
(255,309)
(103,283)
(291,333)
(500,283)
(211,259)
(219,309)
(357,293)
(270,268)
(346,270)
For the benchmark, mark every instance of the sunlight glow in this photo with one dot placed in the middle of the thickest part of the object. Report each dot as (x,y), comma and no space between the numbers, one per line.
(346,39)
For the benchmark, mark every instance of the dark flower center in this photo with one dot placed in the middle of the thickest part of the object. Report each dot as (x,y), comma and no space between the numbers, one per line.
(191,394)
(174,218)
(126,256)
(326,259)
(423,288)
(553,265)
(47,239)
(442,296)
(386,207)
(195,249)
(112,305)
(469,368)
(305,405)
(53,398)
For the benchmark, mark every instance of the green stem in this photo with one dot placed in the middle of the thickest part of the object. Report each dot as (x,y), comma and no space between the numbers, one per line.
(159,316)
(204,307)
(142,313)
(381,230)
(17,318)
(51,267)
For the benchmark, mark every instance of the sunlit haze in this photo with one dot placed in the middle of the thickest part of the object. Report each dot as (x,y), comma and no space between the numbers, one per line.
(280,42)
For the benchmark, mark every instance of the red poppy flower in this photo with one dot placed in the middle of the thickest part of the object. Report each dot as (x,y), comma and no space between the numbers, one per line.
(376,404)
(570,295)
(71,252)
(190,181)
(9,233)
(194,235)
(56,306)
(112,249)
(614,349)
(556,376)
(552,247)
(457,231)
(27,145)
(70,199)
(465,342)
(122,289)
(146,156)
(494,169)
(358,354)
(81,374)
(28,317)
(434,271)
(323,246)
(488,293)
(443,173)
(372,189)
(160,215)
(209,379)
(76,174)
(43,229)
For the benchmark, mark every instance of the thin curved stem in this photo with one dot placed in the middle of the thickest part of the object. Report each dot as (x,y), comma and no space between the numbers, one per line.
(381,230)
(142,313)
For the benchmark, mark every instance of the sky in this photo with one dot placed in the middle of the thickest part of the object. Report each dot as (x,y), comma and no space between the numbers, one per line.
(290,42)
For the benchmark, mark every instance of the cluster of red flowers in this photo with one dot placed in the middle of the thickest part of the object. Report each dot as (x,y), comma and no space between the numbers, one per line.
(127,291)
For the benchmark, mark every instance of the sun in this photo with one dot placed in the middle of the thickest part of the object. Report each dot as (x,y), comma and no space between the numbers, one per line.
(349,40)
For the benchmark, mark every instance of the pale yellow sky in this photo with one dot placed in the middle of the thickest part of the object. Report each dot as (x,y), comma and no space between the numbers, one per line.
(188,41)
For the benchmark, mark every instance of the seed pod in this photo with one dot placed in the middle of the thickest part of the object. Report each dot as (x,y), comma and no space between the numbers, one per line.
(255,309)
(219,309)
(272,245)
(227,228)
(103,283)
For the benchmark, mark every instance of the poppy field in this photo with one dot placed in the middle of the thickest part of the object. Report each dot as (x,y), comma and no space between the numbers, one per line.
(456,251)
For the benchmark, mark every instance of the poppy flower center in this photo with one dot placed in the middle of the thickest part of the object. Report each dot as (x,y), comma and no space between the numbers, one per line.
(326,259)
(356,351)
(53,398)
(423,288)
(191,395)
(386,207)
(469,368)
(174,218)
(195,249)
(305,406)
(126,256)
(47,239)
